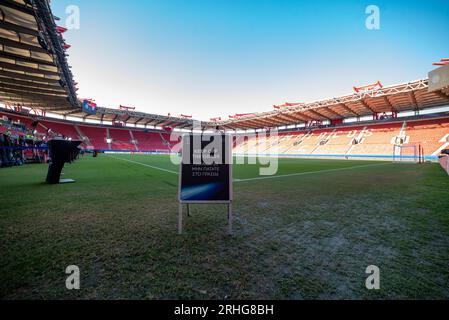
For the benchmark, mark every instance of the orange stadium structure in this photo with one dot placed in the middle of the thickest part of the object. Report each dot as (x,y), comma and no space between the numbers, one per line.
(318,129)
(362,141)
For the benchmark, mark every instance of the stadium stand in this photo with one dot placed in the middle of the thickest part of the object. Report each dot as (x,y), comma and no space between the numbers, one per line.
(121,139)
(371,141)
(376,140)
(433,135)
(150,141)
(68,131)
(368,140)
(96,137)
(39,80)
(339,141)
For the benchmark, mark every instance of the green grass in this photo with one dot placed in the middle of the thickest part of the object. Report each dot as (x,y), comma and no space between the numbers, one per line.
(305,236)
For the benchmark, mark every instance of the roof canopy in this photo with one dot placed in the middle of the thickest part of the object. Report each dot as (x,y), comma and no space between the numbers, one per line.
(404,97)
(33,66)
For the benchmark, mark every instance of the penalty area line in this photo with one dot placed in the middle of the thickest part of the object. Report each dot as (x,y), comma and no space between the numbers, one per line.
(309,172)
(145,165)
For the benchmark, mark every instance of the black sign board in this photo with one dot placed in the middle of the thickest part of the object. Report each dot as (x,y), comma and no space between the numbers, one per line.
(206,169)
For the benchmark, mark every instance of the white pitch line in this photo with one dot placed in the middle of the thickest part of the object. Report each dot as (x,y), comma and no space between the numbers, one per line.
(309,172)
(261,178)
(146,165)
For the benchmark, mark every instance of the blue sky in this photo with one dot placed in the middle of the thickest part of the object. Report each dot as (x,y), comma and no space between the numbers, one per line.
(212,58)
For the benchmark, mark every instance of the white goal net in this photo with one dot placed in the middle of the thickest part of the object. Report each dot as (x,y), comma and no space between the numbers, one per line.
(406,153)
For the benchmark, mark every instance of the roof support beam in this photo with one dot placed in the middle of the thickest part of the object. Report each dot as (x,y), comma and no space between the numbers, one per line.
(34,85)
(290,117)
(75,111)
(314,111)
(17,28)
(13,66)
(311,117)
(20,45)
(157,123)
(30,97)
(334,112)
(25,90)
(186,125)
(17,57)
(442,95)
(302,116)
(388,102)
(18,6)
(58,108)
(140,119)
(28,94)
(250,124)
(281,121)
(366,106)
(413,100)
(31,79)
(347,108)
(271,121)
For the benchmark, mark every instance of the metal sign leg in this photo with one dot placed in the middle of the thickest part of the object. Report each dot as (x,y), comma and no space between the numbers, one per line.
(180,219)
(230,218)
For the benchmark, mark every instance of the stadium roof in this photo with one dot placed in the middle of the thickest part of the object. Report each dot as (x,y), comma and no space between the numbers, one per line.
(33,64)
(34,73)
(403,97)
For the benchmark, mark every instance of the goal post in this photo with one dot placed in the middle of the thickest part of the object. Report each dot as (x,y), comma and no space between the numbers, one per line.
(407,153)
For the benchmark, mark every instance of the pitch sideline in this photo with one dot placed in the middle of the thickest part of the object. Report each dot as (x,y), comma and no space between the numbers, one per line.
(144,164)
(265,177)
(309,172)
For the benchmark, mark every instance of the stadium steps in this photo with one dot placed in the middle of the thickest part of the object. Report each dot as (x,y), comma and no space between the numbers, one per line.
(293,140)
(61,128)
(316,148)
(164,142)
(108,137)
(444,146)
(133,140)
(97,136)
(295,149)
(359,137)
(82,136)
(377,140)
(324,148)
(431,134)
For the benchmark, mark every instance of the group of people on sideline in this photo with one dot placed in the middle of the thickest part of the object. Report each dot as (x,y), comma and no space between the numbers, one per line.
(19,146)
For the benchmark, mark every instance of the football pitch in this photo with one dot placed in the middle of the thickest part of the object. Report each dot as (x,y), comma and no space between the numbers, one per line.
(309,232)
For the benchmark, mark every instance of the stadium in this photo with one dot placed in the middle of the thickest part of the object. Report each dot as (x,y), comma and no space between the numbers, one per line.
(359,180)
